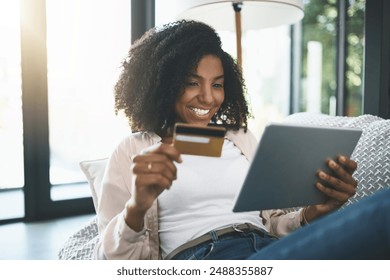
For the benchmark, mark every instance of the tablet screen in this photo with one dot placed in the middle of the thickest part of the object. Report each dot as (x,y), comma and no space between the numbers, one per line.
(283,171)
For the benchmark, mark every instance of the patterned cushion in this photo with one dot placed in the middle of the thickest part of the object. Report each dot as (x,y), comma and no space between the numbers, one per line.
(81,245)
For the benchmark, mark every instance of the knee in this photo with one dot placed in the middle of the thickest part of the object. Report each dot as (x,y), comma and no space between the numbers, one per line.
(382,199)
(383,194)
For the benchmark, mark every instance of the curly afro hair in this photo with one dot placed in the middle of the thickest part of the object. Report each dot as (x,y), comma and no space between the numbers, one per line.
(155,71)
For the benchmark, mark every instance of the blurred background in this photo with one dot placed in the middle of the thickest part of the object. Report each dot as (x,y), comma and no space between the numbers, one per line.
(59,61)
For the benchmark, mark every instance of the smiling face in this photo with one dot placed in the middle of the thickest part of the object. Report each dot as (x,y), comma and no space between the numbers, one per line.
(203,92)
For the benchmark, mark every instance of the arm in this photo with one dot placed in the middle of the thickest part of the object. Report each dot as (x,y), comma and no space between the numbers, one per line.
(281,222)
(153,172)
(116,240)
(129,193)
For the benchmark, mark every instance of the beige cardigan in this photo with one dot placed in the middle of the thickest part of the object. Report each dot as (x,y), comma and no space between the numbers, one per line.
(118,241)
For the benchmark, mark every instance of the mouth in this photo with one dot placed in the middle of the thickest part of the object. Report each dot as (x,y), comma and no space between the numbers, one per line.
(200,112)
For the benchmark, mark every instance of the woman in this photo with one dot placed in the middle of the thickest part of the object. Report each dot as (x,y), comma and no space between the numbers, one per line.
(157,203)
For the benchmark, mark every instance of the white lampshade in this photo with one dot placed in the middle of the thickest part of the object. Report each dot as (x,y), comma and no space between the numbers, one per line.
(248,14)
(255,14)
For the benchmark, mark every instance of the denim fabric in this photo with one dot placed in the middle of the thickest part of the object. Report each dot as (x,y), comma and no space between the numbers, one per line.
(359,231)
(234,246)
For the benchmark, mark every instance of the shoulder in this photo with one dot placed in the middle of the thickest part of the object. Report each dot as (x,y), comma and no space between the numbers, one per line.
(241,133)
(137,141)
(133,144)
(244,140)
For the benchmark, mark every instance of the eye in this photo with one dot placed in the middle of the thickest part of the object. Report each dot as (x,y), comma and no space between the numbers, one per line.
(218,85)
(192,84)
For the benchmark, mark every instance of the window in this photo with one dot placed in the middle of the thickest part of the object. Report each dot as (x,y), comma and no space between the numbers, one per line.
(319,57)
(60,60)
(266,70)
(11,123)
(85,48)
(323,51)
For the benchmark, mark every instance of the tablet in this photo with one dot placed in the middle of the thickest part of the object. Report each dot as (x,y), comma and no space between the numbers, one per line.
(283,171)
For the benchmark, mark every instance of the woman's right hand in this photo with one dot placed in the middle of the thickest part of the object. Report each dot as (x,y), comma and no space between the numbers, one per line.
(153,172)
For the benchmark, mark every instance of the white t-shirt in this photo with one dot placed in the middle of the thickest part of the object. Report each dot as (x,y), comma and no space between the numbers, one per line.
(202,197)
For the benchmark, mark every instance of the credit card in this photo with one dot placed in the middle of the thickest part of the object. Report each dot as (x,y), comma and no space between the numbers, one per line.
(199,140)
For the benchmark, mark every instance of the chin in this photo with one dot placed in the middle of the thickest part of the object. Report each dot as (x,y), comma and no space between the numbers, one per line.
(199,122)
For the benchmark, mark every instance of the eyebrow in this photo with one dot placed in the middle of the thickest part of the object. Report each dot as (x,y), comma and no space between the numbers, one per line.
(200,77)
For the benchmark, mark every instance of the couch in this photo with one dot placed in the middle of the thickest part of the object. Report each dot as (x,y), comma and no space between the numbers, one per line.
(372,154)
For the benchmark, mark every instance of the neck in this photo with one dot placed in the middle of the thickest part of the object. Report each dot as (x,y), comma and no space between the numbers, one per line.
(167,135)
(167,140)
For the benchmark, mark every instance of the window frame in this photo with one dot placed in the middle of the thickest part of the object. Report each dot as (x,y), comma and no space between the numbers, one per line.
(376,92)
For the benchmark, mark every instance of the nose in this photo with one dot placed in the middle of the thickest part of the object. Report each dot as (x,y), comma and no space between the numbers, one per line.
(206,95)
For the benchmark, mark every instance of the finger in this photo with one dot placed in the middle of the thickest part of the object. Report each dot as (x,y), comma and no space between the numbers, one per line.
(153,180)
(166,149)
(341,173)
(349,164)
(164,169)
(149,168)
(334,194)
(156,170)
(335,184)
(148,162)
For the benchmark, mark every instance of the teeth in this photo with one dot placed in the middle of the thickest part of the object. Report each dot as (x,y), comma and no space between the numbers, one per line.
(200,112)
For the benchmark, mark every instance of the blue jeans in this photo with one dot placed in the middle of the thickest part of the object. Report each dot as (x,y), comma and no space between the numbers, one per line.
(234,246)
(360,231)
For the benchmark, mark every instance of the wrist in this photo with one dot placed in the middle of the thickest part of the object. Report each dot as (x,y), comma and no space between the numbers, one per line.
(134,218)
(312,212)
(303,219)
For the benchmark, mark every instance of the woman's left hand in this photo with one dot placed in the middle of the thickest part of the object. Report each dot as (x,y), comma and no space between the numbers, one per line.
(338,187)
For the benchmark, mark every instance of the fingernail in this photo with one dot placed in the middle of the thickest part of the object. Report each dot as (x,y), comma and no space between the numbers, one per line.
(332,163)
(342,159)
(322,175)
